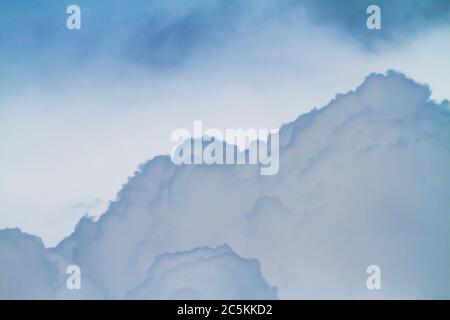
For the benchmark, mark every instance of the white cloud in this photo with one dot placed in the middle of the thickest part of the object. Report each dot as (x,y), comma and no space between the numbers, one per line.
(79,134)
(362,181)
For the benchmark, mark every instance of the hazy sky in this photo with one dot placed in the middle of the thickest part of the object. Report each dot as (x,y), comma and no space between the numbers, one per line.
(80,109)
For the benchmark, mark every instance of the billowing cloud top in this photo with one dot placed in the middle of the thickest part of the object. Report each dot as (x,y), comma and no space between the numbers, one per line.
(362,181)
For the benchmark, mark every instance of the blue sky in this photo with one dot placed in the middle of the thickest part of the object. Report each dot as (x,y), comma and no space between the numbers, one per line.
(81,109)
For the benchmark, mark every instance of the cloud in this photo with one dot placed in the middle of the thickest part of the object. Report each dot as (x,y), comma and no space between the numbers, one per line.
(401,20)
(164,34)
(26,272)
(364,180)
(29,271)
(160,34)
(204,273)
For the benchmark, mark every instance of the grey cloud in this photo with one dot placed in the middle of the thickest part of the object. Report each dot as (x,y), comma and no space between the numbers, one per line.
(26,271)
(401,20)
(204,273)
(164,34)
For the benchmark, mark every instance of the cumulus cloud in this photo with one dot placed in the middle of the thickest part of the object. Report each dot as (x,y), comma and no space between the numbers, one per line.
(79,93)
(364,180)
(204,273)
(29,271)
(26,272)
